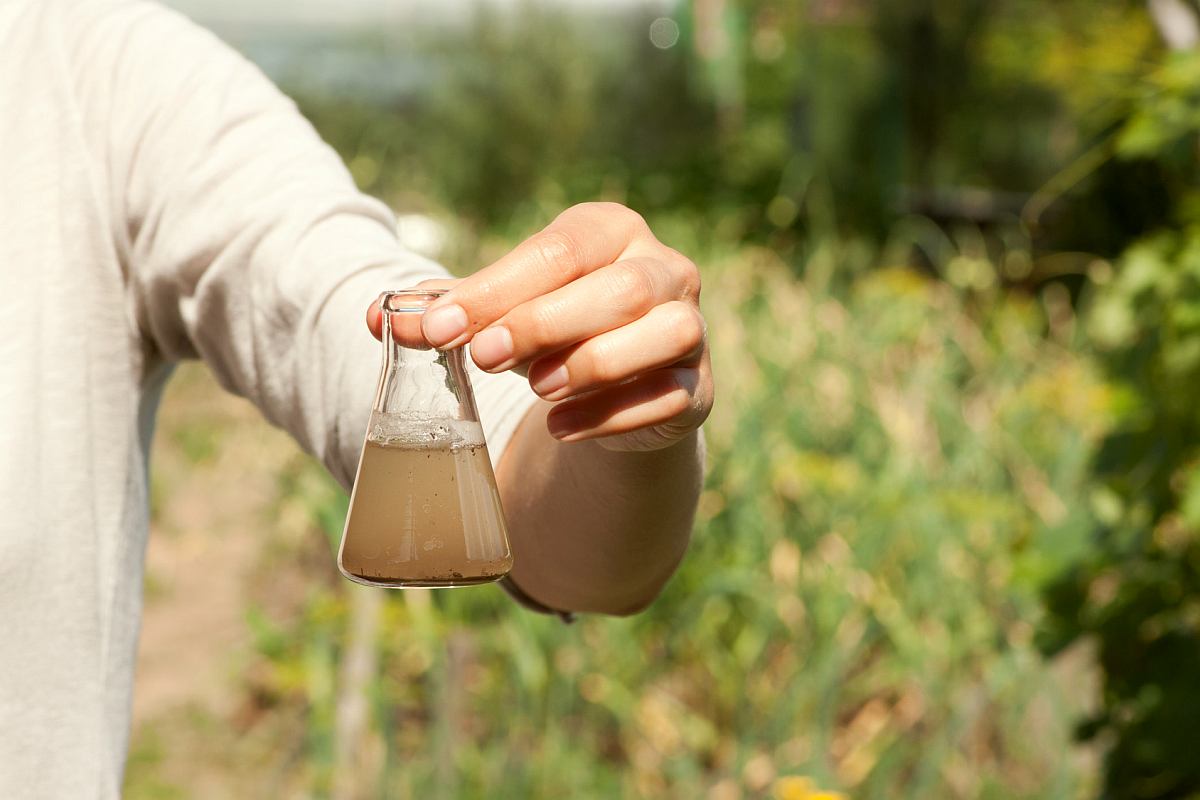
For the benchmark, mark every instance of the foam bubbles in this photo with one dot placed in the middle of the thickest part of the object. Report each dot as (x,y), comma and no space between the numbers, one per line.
(413,430)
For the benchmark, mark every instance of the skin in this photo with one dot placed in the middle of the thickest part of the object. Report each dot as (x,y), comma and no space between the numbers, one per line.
(601,479)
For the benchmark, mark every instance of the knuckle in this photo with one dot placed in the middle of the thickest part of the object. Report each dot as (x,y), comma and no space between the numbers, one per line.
(686,272)
(612,211)
(632,217)
(559,252)
(694,282)
(687,328)
(539,326)
(633,285)
(592,206)
(603,364)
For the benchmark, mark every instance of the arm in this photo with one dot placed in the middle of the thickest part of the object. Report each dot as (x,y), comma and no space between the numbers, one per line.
(594,529)
(245,243)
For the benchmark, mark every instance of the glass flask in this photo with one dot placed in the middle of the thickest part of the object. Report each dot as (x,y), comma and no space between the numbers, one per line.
(425,510)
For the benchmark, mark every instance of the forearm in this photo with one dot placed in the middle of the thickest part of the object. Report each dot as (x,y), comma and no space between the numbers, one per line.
(596,530)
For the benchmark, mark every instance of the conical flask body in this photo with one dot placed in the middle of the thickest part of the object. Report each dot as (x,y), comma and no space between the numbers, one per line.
(425,510)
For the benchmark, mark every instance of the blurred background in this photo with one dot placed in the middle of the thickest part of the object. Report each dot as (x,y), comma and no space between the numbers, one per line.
(950,540)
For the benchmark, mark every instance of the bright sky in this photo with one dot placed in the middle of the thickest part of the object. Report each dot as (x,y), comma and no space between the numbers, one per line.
(353,12)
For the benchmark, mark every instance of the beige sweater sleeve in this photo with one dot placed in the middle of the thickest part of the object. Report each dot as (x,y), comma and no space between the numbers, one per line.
(244,239)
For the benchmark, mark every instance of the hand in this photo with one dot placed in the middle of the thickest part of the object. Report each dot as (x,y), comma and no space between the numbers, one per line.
(602,318)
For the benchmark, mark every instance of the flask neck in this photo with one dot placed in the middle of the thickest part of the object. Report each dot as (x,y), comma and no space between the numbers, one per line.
(417,380)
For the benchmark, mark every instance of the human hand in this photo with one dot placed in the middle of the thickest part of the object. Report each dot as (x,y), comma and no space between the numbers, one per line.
(602,318)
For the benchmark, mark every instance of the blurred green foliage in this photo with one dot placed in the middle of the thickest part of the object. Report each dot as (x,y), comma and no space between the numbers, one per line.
(1137,591)
(778,122)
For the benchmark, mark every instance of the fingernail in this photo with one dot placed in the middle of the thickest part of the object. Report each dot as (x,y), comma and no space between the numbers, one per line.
(492,347)
(562,425)
(443,324)
(551,382)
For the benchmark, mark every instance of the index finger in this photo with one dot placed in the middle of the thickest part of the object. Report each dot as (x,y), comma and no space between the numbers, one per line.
(582,239)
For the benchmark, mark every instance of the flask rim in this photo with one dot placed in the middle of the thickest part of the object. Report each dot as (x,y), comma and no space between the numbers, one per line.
(412,296)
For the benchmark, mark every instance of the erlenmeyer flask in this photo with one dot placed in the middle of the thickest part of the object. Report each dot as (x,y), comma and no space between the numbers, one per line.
(425,510)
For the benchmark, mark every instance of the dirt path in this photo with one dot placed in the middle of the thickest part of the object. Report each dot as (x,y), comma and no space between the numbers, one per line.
(214,466)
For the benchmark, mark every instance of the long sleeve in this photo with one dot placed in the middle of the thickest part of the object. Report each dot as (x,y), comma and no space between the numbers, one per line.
(159,200)
(244,239)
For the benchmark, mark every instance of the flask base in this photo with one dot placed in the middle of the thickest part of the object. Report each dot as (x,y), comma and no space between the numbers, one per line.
(441,582)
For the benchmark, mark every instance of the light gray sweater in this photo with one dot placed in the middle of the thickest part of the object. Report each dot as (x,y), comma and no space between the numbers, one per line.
(159,200)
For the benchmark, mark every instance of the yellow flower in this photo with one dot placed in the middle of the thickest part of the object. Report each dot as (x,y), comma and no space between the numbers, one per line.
(800,787)
(794,787)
